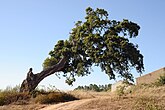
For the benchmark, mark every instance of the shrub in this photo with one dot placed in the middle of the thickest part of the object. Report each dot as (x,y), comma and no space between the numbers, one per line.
(8,97)
(120,90)
(54,97)
(42,96)
(2,100)
(160,81)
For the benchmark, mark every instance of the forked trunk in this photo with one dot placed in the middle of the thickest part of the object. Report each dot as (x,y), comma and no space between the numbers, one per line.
(32,80)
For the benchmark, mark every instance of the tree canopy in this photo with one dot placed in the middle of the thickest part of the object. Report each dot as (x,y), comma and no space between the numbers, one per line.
(98,41)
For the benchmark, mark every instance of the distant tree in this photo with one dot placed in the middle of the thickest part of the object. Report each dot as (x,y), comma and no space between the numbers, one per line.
(97,41)
(94,87)
(86,88)
(79,88)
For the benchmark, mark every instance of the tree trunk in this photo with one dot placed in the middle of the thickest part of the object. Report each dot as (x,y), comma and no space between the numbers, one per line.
(32,81)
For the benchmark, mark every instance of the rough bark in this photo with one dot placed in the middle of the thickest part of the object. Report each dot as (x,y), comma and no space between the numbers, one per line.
(32,81)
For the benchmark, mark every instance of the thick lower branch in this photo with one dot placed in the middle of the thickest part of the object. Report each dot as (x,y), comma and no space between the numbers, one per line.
(32,80)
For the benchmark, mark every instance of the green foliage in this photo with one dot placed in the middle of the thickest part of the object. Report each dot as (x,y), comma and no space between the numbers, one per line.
(101,42)
(94,87)
(160,81)
(120,90)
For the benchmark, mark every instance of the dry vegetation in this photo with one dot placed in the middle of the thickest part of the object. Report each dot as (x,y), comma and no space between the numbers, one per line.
(12,99)
(141,97)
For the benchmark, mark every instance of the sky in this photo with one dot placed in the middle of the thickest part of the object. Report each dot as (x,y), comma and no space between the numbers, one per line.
(29,29)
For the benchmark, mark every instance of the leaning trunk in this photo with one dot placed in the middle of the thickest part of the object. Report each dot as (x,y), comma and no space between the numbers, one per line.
(31,82)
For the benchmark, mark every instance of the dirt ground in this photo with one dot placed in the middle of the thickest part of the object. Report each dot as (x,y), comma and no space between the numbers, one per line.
(102,103)
(98,103)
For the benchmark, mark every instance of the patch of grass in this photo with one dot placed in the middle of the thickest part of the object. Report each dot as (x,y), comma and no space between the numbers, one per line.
(160,81)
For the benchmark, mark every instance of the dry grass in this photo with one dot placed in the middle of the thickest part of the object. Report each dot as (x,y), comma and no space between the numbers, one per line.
(13,97)
(142,97)
(82,94)
(149,97)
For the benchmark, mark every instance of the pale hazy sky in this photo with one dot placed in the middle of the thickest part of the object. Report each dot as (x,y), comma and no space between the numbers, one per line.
(30,28)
